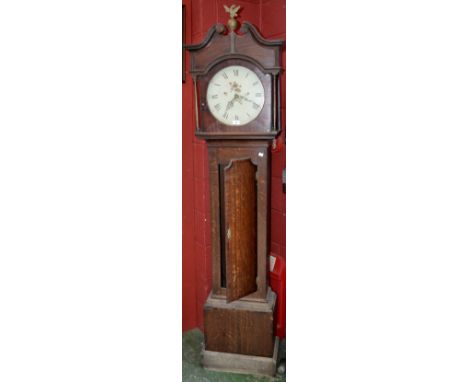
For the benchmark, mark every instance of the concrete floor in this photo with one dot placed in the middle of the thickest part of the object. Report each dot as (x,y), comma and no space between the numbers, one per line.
(192,371)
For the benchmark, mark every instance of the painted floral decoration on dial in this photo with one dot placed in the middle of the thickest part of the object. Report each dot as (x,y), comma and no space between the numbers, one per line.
(235,95)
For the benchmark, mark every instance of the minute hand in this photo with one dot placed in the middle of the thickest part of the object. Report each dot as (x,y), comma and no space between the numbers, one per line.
(246,99)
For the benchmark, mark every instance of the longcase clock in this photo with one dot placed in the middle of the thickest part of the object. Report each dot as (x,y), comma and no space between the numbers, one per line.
(236,84)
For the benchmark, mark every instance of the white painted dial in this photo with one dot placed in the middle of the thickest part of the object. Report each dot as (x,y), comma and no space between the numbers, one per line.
(235,95)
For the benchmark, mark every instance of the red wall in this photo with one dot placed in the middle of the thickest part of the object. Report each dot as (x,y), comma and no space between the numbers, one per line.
(269,16)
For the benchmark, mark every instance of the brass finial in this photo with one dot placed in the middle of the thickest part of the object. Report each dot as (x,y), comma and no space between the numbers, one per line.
(232,10)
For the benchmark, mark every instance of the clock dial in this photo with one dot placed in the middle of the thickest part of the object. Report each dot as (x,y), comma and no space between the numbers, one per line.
(235,95)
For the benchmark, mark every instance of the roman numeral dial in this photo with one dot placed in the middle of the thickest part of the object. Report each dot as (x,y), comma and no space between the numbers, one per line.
(235,95)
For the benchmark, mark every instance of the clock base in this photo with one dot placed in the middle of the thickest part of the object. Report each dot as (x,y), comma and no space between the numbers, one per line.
(241,327)
(240,363)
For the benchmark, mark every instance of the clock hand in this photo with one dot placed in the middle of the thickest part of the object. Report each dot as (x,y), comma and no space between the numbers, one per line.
(229,105)
(231,102)
(248,100)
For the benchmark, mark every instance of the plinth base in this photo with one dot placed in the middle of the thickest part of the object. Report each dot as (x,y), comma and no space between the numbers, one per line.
(240,363)
(240,327)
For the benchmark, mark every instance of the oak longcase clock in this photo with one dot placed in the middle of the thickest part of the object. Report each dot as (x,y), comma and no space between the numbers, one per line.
(236,84)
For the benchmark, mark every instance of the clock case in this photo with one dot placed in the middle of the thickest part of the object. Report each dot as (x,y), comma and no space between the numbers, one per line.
(219,50)
(239,322)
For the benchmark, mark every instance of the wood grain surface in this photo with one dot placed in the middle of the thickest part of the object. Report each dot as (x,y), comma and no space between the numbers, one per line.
(240,327)
(240,203)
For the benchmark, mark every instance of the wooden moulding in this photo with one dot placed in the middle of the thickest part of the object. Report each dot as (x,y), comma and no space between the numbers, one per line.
(239,363)
(267,305)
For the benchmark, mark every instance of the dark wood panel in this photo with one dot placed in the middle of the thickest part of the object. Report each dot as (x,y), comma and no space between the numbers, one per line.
(240,216)
(240,327)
